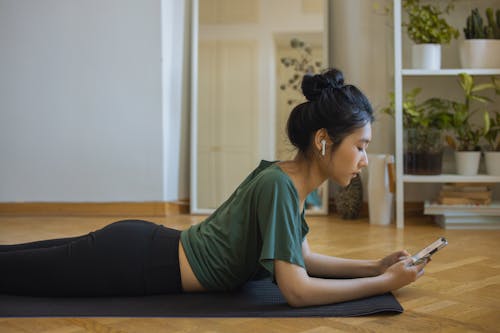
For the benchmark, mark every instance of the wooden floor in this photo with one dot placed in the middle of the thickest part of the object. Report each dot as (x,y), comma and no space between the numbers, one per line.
(460,291)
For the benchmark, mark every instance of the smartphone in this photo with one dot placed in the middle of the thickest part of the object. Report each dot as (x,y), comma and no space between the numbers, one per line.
(427,252)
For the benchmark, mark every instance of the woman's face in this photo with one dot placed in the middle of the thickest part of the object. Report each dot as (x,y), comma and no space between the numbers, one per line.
(350,156)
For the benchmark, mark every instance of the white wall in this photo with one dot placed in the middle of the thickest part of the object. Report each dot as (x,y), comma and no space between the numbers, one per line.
(176,55)
(80,100)
(362,48)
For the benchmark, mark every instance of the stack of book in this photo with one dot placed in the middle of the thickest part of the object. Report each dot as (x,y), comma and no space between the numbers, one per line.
(465,206)
(465,216)
(465,194)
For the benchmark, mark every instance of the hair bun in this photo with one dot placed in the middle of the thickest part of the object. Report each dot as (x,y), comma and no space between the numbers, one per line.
(335,78)
(314,85)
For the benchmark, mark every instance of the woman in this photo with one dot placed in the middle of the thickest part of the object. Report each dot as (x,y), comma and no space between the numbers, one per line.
(260,230)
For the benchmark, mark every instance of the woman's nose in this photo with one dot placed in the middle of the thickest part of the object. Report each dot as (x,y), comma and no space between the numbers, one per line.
(364,160)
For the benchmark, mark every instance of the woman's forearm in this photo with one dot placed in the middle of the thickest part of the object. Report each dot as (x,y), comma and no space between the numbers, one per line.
(317,291)
(324,266)
(300,289)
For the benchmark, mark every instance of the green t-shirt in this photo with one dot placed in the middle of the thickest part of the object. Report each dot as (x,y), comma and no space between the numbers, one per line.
(260,222)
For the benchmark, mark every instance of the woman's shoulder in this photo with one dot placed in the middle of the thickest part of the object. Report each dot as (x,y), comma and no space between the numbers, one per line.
(273,180)
(273,174)
(265,182)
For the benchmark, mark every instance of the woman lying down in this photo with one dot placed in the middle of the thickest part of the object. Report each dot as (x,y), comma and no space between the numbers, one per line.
(259,230)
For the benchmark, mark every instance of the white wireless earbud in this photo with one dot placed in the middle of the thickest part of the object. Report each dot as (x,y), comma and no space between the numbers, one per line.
(323,147)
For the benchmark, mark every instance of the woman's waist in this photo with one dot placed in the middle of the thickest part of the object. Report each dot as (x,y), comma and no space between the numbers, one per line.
(190,282)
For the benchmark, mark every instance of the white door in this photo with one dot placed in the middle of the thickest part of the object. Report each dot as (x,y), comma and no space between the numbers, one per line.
(228,99)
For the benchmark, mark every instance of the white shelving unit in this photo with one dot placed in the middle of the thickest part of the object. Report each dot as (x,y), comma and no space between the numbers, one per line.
(400,74)
(449,72)
(450,178)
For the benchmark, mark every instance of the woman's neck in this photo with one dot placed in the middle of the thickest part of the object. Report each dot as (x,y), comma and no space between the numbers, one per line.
(304,173)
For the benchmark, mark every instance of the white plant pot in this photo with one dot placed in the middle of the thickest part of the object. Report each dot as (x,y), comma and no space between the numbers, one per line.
(480,53)
(467,162)
(426,56)
(492,160)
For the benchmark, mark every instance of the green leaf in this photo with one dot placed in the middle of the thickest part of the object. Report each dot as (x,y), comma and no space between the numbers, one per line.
(481,99)
(483,86)
(487,124)
(466,82)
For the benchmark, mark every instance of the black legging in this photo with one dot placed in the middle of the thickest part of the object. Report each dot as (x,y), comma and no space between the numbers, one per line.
(125,258)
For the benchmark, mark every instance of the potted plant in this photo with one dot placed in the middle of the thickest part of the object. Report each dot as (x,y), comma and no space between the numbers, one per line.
(466,141)
(481,47)
(427,28)
(466,134)
(492,151)
(423,124)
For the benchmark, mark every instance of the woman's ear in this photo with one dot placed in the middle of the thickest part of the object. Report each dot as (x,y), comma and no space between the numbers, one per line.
(321,141)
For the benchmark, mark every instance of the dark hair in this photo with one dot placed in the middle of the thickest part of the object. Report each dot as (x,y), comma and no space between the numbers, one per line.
(339,108)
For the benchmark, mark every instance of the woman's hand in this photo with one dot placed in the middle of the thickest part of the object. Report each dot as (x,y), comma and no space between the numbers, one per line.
(402,273)
(391,259)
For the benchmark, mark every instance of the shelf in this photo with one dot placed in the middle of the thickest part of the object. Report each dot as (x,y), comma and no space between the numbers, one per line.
(404,76)
(468,223)
(451,178)
(449,72)
(485,217)
(492,209)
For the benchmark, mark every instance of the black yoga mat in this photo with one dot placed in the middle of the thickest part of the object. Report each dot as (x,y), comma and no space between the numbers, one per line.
(256,299)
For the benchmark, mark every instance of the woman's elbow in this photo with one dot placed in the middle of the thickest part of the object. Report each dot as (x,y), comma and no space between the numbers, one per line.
(295,296)
(294,301)
(293,282)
